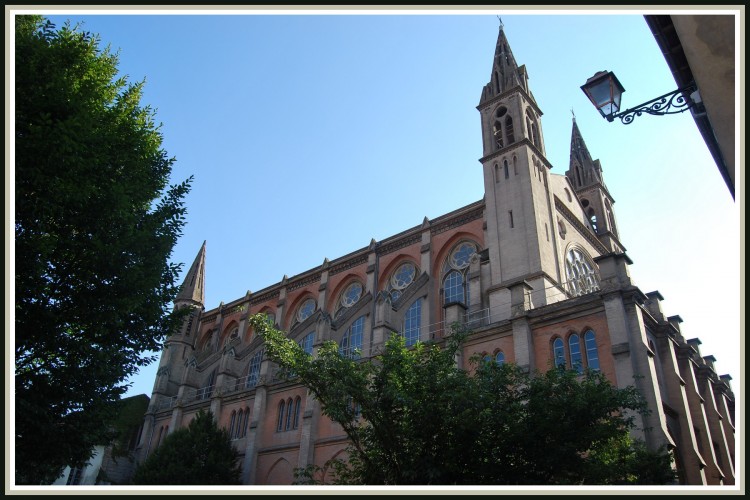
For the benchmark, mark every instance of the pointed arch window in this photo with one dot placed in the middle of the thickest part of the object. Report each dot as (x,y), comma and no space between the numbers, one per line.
(500,358)
(558,351)
(289,410)
(253,370)
(576,359)
(413,322)
(497,126)
(579,360)
(232,424)
(581,273)
(455,287)
(280,422)
(509,129)
(592,353)
(505,169)
(610,217)
(240,426)
(351,343)
(297,405)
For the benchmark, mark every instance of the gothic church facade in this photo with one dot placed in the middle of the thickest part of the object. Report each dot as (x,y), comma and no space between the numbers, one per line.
(536,269)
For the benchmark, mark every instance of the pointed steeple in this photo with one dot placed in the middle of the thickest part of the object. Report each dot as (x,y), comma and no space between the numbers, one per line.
(506,74)
(583,170)
(192,290)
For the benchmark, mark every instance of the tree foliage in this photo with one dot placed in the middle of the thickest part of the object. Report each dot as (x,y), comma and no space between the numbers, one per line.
(200,453)
(95,225)
(426,422)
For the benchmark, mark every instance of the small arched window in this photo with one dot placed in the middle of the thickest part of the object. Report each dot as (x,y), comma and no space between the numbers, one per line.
(289,410)
(509,129)
(351,343)
(232,424)
(280,423)
(505,168)
(500,358)
(576,359)
(558,351)
(297,405)
(592,353)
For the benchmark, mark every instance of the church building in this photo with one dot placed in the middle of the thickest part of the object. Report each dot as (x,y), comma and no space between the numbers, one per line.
(536,269)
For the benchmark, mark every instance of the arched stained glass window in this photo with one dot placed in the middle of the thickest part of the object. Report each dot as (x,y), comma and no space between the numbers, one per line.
(280,423)
(500,358)
(289,410)
(592,353)
(558,351)
(576,359)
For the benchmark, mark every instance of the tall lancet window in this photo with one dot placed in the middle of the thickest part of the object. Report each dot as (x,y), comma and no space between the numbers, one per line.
(509,129)
(497,127)
(581,273)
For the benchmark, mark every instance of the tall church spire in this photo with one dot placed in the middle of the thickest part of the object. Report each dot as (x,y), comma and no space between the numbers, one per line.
(585,175)
(583,170)
(192,290)
(506,74)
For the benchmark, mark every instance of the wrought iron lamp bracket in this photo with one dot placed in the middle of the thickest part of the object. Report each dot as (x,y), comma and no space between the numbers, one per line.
(674,102)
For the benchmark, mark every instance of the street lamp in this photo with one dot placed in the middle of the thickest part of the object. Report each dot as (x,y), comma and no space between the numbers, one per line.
(605,92)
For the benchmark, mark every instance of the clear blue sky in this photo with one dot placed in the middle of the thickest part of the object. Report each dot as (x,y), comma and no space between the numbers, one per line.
(308,135)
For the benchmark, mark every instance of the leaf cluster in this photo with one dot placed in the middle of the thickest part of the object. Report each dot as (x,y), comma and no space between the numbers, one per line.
(426,422)
(95,224)
(199,454)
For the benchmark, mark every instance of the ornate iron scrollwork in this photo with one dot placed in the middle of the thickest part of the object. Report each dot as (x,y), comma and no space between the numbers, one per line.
(674,102)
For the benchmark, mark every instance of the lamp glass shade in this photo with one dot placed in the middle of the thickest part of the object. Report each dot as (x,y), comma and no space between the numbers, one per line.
(605,92)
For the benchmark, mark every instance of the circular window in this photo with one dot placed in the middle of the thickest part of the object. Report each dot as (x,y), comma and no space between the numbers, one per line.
(351,295)
(501,111)
(305,310)
(461,255)
(403,276)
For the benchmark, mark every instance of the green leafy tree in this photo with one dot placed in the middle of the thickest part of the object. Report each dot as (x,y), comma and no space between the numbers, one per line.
(200,453)
(95,225)
(413,418)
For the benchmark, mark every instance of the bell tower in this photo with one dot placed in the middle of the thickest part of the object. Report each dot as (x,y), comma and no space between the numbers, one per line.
(585,175)
(519,207)
(180,344)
